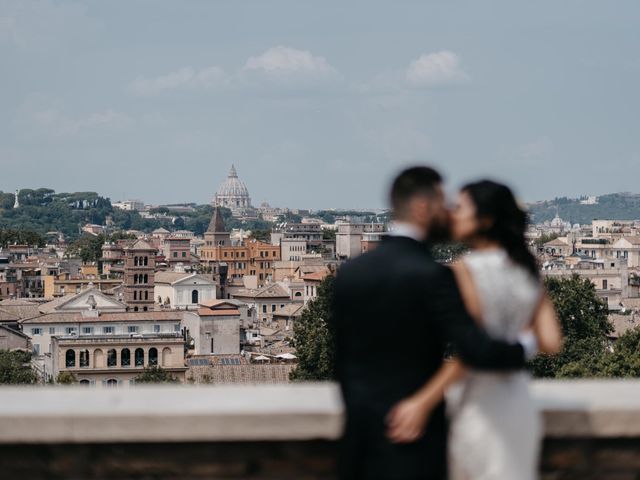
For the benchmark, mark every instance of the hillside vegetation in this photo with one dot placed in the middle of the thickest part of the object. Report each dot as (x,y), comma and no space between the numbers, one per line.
(615,206)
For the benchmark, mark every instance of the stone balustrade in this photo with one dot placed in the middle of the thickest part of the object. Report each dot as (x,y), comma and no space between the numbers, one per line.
(592,431)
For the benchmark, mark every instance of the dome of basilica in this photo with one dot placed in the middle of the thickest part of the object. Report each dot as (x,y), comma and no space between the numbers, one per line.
(233,193)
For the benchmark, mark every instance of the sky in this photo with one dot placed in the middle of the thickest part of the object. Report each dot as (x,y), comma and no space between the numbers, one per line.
(318,104)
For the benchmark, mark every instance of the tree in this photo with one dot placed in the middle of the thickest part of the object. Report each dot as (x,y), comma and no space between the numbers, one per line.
(15,367)
(262,235)
(586,328)
(315,338)
(155,374)
(623,360)
(544,238)
(66,378)
(87,247)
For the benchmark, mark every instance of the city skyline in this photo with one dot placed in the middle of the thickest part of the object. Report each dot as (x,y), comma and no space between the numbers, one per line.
(315,102)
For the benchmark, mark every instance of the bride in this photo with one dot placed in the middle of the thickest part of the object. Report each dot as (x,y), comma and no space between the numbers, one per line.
(495,429)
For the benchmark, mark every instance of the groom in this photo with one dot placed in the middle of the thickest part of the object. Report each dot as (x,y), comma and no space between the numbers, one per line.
(395,310)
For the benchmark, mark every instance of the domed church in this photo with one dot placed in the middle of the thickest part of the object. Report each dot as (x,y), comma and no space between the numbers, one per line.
(233,194)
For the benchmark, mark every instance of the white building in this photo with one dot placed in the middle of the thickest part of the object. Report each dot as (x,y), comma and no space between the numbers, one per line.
(183,290)
(92,313)
(129,205)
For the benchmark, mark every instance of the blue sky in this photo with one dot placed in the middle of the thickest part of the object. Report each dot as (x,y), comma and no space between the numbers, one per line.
(317,103)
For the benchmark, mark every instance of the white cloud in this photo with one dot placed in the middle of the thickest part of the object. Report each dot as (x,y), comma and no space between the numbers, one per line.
(289,66)
(185,78)
(48,116)
(435,69)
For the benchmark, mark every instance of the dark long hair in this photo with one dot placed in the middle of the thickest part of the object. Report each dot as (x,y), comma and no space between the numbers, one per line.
(507,221)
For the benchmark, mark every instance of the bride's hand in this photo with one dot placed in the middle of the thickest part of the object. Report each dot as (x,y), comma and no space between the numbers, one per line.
(406,420)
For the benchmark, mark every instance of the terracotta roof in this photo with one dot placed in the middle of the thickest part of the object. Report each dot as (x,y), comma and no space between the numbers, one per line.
(290,310)
(623,323)
(20,308)
(77,317)
(207,312)
(219,301)
(316,277)
(557,242)
(139,245)
(270,291)
(170,277)
(8,316)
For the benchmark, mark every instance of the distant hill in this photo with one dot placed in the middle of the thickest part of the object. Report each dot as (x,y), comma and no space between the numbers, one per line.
(615,206)
(43,210)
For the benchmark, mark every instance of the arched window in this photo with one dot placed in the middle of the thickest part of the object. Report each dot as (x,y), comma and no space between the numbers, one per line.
(146,279)
(139,357)
(153,356)
(85,383)
(146,294)
(135,278)
(135,309)
(146,261)
(135,295)
(84,358)
(166,356)
(125,357)
(98,358)
(70,358)
(159,299)
(194,296)
(298,294)
(112,358)
(112,382)
(135,262)
(144,309)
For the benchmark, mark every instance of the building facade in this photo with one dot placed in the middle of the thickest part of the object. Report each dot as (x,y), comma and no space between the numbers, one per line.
(139,272)
(115,360)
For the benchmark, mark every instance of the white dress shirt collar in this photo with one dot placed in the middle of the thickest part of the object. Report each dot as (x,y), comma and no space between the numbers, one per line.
(405,229)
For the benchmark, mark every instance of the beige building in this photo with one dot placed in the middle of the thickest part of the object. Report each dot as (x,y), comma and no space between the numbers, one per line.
(264,301)
(115,360)
(11,339)
(92,313)
(350,237)
(611,278)
(215,329)
(247,258)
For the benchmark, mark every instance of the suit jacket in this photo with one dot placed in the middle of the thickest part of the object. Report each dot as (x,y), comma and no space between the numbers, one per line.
(395,311)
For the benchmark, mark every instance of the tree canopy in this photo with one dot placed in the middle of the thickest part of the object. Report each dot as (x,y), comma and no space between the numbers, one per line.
(315,338)
(586,328)
(155,374)
(15,368)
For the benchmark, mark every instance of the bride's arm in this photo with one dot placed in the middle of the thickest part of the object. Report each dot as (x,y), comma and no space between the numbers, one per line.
(547,327)
(407,419)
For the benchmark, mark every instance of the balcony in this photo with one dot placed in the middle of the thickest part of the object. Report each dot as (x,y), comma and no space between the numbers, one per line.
(270,432)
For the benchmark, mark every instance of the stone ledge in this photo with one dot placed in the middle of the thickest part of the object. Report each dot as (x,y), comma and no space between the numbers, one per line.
(304,412)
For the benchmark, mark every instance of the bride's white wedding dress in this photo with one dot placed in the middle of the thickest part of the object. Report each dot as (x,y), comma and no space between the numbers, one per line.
(495,427)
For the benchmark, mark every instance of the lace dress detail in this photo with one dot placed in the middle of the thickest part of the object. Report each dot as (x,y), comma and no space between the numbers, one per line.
(495,426)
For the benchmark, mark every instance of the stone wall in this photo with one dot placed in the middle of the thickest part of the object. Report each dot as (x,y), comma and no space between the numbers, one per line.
(271,432)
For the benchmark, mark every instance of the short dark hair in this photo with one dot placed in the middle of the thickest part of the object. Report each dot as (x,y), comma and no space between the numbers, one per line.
(411,182)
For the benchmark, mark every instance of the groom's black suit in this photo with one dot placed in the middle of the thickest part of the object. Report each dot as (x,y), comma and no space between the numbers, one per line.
(395,310)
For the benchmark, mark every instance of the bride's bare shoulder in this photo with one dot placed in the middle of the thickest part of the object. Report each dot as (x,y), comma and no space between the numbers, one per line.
(467,289)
